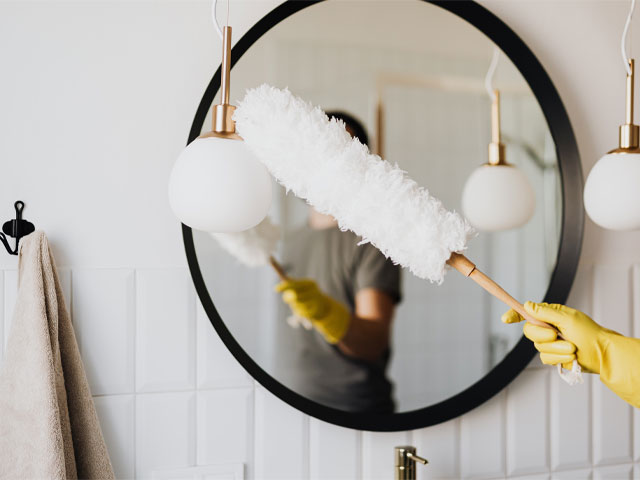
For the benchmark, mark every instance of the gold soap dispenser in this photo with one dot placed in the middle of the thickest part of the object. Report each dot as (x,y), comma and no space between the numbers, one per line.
(405,461)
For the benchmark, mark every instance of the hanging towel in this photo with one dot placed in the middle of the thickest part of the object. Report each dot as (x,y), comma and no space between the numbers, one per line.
(48,423)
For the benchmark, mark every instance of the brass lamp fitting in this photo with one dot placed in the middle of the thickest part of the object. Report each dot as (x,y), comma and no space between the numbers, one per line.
(496,148)
(629,133)
(223,125)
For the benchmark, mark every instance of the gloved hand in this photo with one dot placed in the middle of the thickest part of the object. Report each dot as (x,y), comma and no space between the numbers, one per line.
(597,349)
(306,300)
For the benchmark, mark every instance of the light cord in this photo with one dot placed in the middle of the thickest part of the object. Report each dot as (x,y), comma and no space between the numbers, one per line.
(488,79)
(214,16)
(623,41)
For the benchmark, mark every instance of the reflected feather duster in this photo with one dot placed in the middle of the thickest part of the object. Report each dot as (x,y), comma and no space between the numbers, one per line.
(252,247)
(316,158)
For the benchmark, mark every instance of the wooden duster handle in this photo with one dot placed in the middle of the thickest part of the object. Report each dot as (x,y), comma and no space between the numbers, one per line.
(468,269)
(278,268)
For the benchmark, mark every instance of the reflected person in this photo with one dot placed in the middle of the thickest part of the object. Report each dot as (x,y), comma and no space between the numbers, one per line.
(348,292)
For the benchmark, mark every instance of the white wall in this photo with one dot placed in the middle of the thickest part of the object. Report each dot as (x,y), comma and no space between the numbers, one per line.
(96,101)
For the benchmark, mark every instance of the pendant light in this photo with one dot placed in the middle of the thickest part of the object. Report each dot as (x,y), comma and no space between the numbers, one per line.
(612,190)
(217,184)
(497,196)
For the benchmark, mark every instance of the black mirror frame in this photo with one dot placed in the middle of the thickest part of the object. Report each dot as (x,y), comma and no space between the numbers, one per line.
(561,278)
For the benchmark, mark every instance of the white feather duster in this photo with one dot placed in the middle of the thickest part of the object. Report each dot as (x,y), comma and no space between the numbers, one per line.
(317,159)
(253,247)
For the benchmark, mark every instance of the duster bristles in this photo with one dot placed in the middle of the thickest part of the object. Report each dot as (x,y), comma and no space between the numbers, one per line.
(317,160)
(251,247)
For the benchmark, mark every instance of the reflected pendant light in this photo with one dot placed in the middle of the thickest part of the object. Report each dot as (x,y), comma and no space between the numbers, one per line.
(497,196)
(612,189)
(217,184)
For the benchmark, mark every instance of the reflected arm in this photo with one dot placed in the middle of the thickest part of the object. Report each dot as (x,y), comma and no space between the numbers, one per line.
(363,334)
(369,331)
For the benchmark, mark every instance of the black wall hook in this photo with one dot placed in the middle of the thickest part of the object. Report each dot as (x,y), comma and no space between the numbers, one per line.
(16,228)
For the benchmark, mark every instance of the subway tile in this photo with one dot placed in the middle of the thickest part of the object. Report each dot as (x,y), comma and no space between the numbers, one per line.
(225,426)
(216,365)
(581,296)
(570,423)
(281,439)
(527,423)
(612,417)
(482,437)
(165,431)
(165,332)
(617,472)
(570,442)
(570,412)
(116,414)
(612,422)
(440,445)
(334,452)
(612,298)
(228,471)
(584,474)
(103,308)
(539,476)
(378,453)
(10,297)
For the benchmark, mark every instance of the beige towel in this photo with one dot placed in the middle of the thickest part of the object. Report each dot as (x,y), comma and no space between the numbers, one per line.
(48,423)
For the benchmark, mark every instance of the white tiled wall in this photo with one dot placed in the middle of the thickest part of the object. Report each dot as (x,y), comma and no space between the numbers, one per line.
(91,151)
(170,396)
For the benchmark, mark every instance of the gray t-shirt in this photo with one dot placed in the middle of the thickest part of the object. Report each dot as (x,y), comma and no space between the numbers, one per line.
(340,267)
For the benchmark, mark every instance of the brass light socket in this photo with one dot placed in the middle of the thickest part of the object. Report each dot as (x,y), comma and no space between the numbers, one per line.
(222,116)
(496,154)
(628,136)
(629,133)
(223,125)
(496,148)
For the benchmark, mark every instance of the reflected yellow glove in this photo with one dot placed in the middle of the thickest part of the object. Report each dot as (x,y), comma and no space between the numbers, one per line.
(598,350)
(306,300)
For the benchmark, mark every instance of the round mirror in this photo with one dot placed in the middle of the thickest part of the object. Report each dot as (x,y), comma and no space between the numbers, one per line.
(409,78)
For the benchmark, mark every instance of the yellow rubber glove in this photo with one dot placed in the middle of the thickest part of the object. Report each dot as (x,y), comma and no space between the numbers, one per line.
(306,300)
(597,349)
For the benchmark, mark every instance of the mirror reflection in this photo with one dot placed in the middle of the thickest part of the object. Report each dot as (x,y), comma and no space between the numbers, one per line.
(349,329)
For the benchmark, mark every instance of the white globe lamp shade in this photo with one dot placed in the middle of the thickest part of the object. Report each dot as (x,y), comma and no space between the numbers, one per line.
(217,185)
(498,197)
(612,192)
